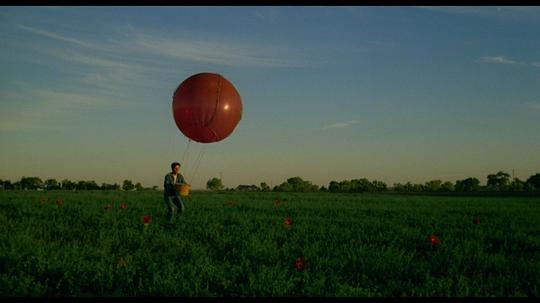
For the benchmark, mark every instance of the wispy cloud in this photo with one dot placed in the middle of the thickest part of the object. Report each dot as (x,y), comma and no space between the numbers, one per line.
(214,51)
(504,60)
(497,60)
(131,44)
(534,106)
(341,124)
(488,11)
(41,109)
(56,36)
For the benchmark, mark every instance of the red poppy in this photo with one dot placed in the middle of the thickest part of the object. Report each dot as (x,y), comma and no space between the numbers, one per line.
(123,206)
(288,222)
(59,201)
(147,219)
(476,221)
(434,240)
(107,207)
(300,263)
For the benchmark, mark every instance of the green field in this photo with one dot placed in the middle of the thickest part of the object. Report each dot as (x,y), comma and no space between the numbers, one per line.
(236,244)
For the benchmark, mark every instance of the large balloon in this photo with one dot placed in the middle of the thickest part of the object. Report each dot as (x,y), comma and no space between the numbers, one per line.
(206,107)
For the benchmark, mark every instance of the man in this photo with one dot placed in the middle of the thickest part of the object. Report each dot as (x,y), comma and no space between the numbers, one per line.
(171,196)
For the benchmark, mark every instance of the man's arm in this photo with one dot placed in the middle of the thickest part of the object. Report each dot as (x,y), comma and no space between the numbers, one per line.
(167,183)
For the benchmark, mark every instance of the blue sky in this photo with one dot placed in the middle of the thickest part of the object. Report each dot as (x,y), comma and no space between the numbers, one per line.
(394,94)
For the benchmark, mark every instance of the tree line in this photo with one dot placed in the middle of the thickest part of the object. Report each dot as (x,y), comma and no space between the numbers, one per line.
(36,183)
(498,182)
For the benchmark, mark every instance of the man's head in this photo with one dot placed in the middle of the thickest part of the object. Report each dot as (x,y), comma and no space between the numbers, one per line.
(175,167)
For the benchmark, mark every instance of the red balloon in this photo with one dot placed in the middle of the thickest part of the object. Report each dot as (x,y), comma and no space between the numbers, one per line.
(206,107)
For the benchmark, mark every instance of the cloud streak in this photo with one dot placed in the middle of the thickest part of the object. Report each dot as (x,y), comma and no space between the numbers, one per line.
(497,60)
(55,36)
(534,106)
(503,60)
(344,124)
(213,51)
(41,109)
(517,12)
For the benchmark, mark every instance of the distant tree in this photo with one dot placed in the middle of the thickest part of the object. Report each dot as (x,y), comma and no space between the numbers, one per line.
(51,184)
(31,183)
(534,182)
(418,188)
(323,188)
(467,185)
(92,185)
(447,186)
(344,186)
(265,187)
(296,184)
(398,187)
(7,184)
(408,187)
(517,185)
(286,187)
(433,185)
(243,187)
(81,185)
(106,186)
(138,186)
(360,185)
(128,185)
(378,186)
(67,185)
(498,182)
(333,186)
(214,184)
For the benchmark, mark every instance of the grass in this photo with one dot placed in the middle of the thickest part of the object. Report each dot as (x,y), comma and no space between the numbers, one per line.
(235,244)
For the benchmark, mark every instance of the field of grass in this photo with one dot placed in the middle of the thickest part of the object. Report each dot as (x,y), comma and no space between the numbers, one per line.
(236,244)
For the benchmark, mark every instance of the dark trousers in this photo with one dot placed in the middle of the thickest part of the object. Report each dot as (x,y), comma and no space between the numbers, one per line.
(174,204)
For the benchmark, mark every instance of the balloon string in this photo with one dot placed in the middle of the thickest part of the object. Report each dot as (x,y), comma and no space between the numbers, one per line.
(198,162)
(185,156)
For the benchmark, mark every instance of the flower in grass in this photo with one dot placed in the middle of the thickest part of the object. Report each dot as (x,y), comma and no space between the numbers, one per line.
(121,262)
(147,219)
(59,201)
(277,203)
(300,263)
(476,220)
(434,240)
(123,206)
(288,222)
(108,207)
(43,200)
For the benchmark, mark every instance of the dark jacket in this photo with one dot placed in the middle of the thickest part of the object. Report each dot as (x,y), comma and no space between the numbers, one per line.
(168,184)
